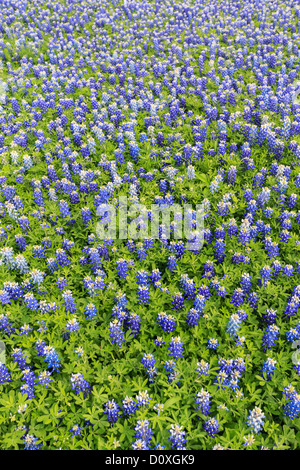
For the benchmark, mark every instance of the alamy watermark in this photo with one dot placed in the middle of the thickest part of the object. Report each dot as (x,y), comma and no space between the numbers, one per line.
(3,89)
(2,352)
(162,221)
(296,354)
(296,93)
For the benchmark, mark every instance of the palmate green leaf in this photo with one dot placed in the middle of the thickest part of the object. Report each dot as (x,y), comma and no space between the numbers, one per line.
(203,178)
(45,419)
(171,401)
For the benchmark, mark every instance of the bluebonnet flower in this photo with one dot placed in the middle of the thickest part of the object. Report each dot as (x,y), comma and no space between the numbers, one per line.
(61,283)
(113,106)
(86,215)
(40,346)
(209,269)
(292,201)
(244,234)
(5,375)
(211,426)
(202,401)
(79,351)
(277,268)
(269,367)
(141,252)
(268,212)
(230,372)
(52,265)
(112,410)
(38,251)
(159,341)
(231,174)
(143,431)
(232,228)
(286,223)
(188,286)
(25,329)
(25,388)
(19,358)
(38,197)
(122,268)
(143,398)
(242,314)
(21,242)
(292,408)
(178,248)
(233,324)
(238,297)
(64,209)
(134,323)
(21,264)
(73,325)
(172,263)
(255,420)
(177,301)
(45,378)
(62,258)
(69,302)
(289,391)
(293,334)
(240,340)
(7,254)
(271,248)
(76,430)
(142,278)
(191,172)
(93,286)
(116,333)
(90,311)
(212,343)
(265,273)
(177,437)
(220,233)
(31,442)
(172,373)
(129,406)
(219,253)
(249,440)
(238,258)
(148,360)
(155,276)
(4,297)
(246,282)
(271,335)
(79,384)
(166,322)
(214,186)
(285,236)
(288,270)
(37,276)
(193,317)
(140,444)
(176,347)
(24,223)
(158,407)
(203,368)
(143,294)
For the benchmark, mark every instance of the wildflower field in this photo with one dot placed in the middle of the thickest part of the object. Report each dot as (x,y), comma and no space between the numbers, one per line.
(127,339)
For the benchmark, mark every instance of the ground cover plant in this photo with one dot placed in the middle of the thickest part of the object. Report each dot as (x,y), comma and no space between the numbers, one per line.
(142,343)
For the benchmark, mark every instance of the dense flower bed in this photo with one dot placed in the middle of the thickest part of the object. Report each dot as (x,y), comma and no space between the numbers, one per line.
(142,343)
